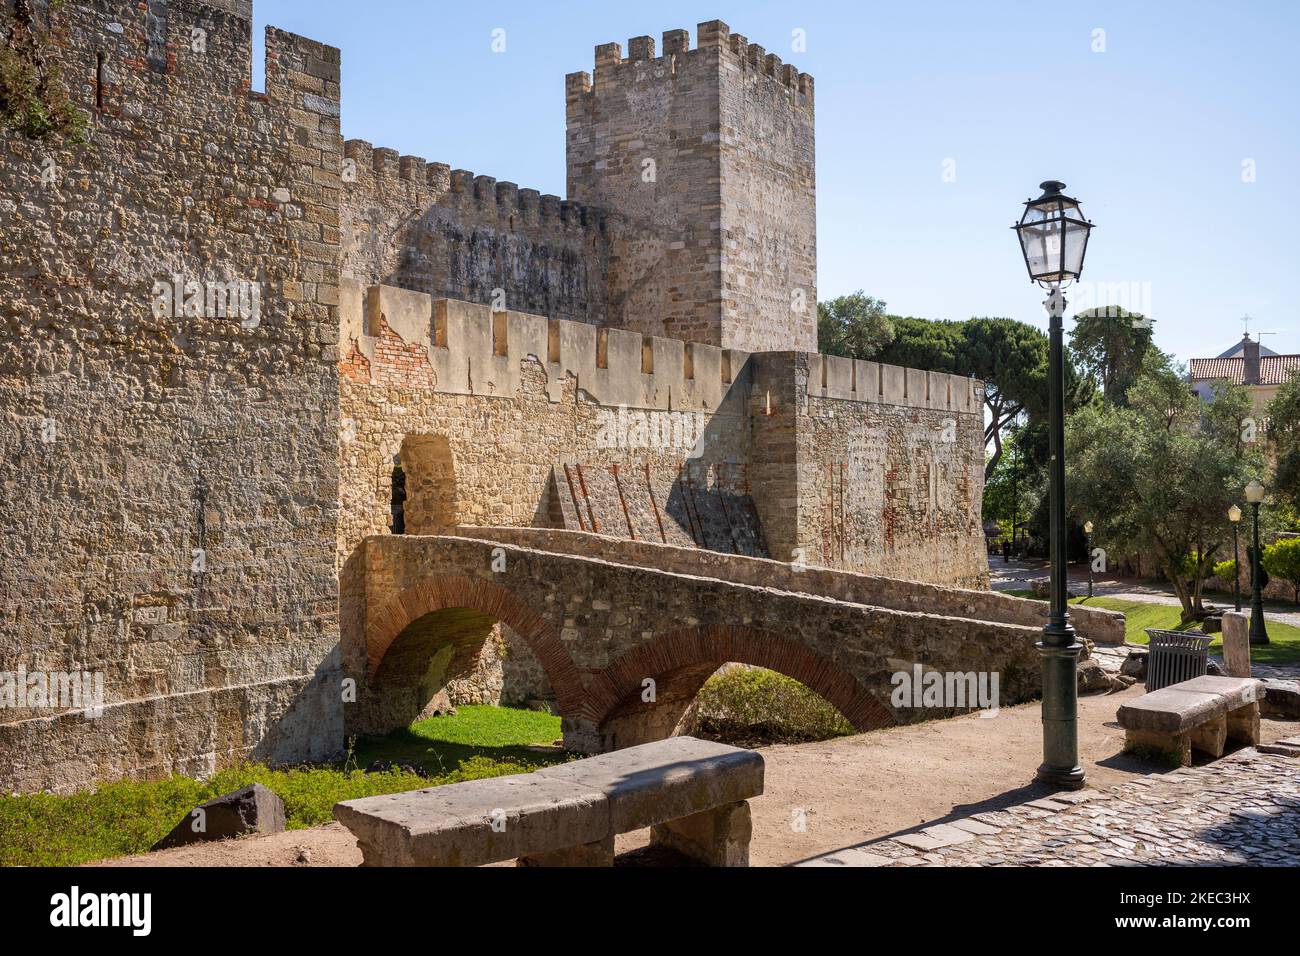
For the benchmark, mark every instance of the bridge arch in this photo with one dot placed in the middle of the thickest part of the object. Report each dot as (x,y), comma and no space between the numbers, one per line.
(434,630)
(681,661)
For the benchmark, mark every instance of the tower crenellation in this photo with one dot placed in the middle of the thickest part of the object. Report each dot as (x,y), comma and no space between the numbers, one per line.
(704,158)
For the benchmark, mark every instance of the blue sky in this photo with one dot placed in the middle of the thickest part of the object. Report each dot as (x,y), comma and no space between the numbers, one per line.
(1154,135)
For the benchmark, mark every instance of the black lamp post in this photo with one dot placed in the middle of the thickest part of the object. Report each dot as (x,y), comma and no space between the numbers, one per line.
(1234,516)
(1087,534)
(1053,239)
(1258,634)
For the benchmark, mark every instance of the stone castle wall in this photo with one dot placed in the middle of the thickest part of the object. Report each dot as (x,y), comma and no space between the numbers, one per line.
(183,489)
(428,228)
(169,506)
(706,157)
(535,422)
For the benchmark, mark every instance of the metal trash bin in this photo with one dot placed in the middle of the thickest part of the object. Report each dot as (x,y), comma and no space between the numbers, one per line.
(1175,656)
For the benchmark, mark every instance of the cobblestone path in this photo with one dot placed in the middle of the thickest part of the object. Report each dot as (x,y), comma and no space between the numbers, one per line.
(1243,809)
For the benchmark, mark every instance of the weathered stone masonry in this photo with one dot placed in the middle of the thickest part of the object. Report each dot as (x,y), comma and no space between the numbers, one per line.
(181,492)
(129,442)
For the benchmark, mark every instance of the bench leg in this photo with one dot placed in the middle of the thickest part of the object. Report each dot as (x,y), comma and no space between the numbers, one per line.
(600,853)
(717,837)
(1210,737)
(1243,725)
(1177,745)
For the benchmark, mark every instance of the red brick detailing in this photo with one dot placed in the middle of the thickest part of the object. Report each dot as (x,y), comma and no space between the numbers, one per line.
(356,366)
(716,645)
(457,591)
(399,363)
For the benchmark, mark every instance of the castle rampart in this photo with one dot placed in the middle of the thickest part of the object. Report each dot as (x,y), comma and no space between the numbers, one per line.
(184,487)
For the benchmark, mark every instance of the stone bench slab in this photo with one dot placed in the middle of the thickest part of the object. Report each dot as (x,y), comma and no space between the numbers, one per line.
(665,780)
(1235,691)
(476,822)
(568,814)
(1170,710)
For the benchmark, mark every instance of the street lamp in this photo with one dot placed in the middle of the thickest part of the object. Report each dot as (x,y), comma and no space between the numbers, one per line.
(1053,239)
(1234,516)
(1258,634)
(1087,534)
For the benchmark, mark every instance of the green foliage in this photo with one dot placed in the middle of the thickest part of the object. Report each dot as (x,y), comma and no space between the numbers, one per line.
(1226,571)
(755,705)
(129,817)
(33,98)
(1010,357)
(1284,433)
(1282,560)
(854,326)
(1110,345)
(1157,476)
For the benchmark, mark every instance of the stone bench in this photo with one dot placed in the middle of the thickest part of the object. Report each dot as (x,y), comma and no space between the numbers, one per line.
(1201,713)
(691,793)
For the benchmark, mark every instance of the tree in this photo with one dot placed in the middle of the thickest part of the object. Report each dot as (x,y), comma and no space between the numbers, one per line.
(1284,433)
(1110,344)
(1010,357)
(854,326)
(1157,476)
(1282,559)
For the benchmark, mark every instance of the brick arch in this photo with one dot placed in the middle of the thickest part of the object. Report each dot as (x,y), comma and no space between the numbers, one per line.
(450,592)
(694,653)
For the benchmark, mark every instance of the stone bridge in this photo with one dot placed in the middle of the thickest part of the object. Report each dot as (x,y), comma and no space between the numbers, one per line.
(605,618)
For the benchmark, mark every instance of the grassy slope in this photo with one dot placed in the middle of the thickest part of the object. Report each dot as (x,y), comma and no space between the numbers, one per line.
(129,817)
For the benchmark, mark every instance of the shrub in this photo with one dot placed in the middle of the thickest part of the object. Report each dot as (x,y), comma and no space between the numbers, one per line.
(33,98)
(758,705)
(1226,572)
(1282,559)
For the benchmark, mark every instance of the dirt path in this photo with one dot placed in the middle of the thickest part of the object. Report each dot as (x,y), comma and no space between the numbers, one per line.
(846,791)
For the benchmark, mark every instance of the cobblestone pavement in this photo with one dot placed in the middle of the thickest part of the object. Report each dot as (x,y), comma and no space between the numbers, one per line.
(1243,809)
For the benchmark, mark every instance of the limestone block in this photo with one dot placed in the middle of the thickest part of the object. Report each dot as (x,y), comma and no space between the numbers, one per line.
(1236,643)
(1281,698)
(1235,691)
(665,780)
(1243,725)
(1169,710)
(600,853)
(477,822)
(717,837)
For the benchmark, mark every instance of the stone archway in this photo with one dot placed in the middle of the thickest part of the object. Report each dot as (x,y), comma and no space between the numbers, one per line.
(435,631)
(681,661)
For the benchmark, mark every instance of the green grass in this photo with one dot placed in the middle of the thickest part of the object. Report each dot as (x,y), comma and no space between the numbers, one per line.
(439,745)
(1284,639)
(129,817)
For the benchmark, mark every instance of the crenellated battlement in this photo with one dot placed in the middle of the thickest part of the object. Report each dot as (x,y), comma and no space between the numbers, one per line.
(439,184)
(473,350)
(711,37)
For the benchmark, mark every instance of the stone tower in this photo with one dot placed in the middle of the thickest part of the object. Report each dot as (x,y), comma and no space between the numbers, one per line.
(704,160)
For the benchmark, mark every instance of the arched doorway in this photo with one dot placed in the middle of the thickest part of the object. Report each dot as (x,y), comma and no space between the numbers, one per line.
(428,485)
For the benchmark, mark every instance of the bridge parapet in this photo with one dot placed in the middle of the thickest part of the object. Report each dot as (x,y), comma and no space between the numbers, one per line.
(602,629)
(1098,625)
